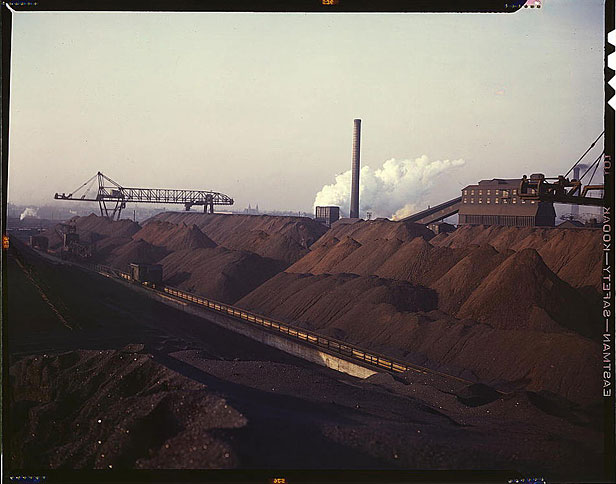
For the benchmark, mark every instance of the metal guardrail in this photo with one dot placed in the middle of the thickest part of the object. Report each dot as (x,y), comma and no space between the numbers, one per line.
(333,345)
(301,334)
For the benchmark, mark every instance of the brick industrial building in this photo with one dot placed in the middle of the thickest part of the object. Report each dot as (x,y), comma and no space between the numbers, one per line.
(498,202)
(327,215)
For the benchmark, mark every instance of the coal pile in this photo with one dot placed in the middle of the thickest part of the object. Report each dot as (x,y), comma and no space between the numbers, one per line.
(114,410)
(477,394)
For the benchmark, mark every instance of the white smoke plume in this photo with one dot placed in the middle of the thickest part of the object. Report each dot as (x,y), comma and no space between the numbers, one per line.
(28,212)
(395,190)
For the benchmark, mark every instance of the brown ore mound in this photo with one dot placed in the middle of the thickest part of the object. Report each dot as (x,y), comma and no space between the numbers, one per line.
(174,237)
(415,260)
(94,229)
(135,251)
(282,238)
(504,316)
(365,230)
(524,294)
(190,259)
(397,318)
(219,273)
(114,409)
(459,271)
(459,282)
(574,255)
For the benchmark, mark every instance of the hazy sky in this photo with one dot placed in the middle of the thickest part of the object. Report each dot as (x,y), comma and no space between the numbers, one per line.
(261,106)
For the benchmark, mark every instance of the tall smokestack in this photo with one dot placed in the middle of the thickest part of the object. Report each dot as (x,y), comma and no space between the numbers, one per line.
(355,169)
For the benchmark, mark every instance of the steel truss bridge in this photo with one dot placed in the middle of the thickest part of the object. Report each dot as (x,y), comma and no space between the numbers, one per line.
(113,197)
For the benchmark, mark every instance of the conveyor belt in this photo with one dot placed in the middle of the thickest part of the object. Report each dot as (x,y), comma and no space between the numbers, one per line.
(436,213)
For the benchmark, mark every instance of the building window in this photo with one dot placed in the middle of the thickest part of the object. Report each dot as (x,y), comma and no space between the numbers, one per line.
(465,193)
(532,201)
(479,192)
(515,200)
(504,200)
(515,192)
(480,200)
(496,192)
(488,192)
(496,200)
(488,200)
(472,200)
(465,200)
(505,193)
(522,200)
(472,192)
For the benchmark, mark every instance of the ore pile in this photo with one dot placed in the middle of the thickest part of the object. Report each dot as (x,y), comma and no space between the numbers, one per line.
(572,254)
(222,274)
(193,395)
(282,238)
(494,306)
(174,237)
(225,270)
(104,234)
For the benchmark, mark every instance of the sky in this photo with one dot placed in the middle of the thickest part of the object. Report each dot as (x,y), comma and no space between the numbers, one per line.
(261,106)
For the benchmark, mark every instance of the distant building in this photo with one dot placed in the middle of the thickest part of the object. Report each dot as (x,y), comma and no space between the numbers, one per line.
(327,215)
(252,211)
(441,227)
(498,202)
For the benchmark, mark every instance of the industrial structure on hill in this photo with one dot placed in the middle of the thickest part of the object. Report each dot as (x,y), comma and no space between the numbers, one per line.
(519,202)
(327,215)
(498,202)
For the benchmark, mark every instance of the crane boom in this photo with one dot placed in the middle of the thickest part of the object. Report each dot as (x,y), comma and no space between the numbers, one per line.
(115,194)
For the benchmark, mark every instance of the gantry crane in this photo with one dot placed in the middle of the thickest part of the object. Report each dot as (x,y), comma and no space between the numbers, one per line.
(564,190)
(113,193)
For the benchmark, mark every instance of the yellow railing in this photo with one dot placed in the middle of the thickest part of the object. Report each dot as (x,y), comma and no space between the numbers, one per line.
(333,345)
(304,335)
